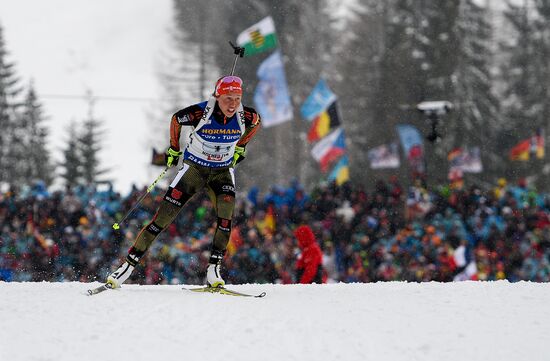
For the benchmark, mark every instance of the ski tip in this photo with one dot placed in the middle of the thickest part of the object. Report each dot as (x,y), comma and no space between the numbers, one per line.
(95,291)
(261,295)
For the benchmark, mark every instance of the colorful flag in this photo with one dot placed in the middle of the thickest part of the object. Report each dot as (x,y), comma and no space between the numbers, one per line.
(470,161)
(413,146)
(384,156)
(521,150)
(329,149)
(328,120)
(464,160)
(454,155)
(258,38)
(531,146)
(271,96)
(340,172)
(157,158)
(321,98)
(538,143)
(235,240)
(269,220)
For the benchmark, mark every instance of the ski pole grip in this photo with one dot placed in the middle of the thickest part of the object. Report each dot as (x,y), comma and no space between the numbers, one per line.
(239,52)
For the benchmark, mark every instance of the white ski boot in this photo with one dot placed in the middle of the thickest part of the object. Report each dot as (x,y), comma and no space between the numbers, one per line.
(213,272)
(213,275)
(118,277)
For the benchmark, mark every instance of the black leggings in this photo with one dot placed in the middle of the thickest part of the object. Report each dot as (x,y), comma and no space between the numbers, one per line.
(220,184)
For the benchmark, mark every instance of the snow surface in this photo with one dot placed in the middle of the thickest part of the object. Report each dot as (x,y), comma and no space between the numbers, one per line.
(379,321)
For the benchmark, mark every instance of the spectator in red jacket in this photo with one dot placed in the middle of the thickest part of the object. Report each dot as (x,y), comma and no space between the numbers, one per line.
(309,267)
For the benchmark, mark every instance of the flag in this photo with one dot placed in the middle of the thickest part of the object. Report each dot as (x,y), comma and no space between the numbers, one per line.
(468,160)
(539,144)
(258,38)
(410,137)
(271,96)
(320,98)
(235,240)
(463,160)
(269,220)
(413,147)
(454,155)
(531,146)
(329,149)
(521,150)
(157,158)
(328,120)
(384,156)
(340,173)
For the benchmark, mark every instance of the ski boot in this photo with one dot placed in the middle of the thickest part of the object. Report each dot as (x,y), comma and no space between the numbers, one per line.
(118,277)
(213,272)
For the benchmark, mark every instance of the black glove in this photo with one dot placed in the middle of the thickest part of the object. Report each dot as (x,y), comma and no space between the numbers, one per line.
(172,156)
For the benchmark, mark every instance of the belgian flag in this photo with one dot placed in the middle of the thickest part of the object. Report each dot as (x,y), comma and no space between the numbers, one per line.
(328,120)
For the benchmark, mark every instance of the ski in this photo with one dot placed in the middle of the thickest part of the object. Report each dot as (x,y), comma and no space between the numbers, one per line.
(223,291)
(95,291)
(207,289)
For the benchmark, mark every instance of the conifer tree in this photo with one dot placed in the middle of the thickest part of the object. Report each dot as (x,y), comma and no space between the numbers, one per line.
(525,99)
(36,163)
(475,116)
(72,162)
(89,147)
(9,91)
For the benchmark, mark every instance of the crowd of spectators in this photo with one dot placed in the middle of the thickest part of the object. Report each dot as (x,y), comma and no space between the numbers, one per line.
(383,234)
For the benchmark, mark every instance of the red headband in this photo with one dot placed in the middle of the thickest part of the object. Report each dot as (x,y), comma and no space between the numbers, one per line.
(229,84)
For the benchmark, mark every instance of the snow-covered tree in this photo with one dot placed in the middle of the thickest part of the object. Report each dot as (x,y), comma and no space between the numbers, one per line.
(89,147)
(71,162)
(9,92)
(475,119)
(526,96)
(36,162)
(354,74)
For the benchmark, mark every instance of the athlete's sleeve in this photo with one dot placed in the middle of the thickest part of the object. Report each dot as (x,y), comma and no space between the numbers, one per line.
(252,125)
(187,117)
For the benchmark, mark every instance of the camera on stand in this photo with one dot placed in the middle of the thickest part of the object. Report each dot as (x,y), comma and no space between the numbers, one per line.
(434,110)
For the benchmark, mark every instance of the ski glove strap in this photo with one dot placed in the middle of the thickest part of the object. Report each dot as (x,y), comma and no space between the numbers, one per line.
(239,155)
(172,157)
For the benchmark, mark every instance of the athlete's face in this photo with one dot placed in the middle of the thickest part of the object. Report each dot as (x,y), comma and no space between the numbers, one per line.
(229,103)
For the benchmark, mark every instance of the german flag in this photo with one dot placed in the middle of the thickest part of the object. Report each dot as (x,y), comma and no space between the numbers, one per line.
(328,120)
(532,146)
(521,150)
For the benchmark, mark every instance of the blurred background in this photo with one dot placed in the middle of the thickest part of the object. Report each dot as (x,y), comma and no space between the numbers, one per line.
(384,124)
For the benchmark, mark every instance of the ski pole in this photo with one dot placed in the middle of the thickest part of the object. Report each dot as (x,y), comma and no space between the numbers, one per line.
(239,53)
(149,189)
